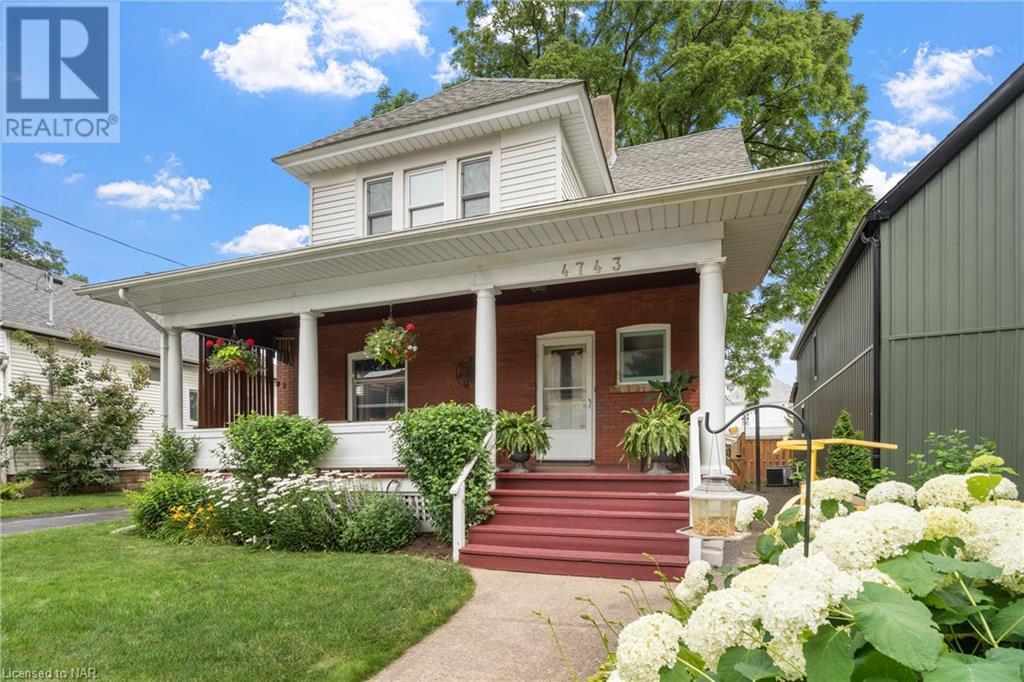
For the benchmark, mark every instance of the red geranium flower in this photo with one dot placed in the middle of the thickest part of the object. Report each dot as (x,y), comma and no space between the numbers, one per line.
(220,342)
(250,343)
(410,327)
(209,343)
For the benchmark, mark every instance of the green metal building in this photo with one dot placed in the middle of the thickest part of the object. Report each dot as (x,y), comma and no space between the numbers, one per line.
(921,327)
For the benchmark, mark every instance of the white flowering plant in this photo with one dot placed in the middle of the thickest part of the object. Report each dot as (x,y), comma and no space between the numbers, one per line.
(892,591)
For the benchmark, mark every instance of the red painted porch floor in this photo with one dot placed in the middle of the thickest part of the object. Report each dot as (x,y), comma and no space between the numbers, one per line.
(584,521)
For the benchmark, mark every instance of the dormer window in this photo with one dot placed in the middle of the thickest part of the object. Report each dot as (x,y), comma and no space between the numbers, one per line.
(426,196)
(378,206)
(475,178)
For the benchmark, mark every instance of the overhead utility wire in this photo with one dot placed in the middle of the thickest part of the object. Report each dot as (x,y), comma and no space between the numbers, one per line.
(92,232)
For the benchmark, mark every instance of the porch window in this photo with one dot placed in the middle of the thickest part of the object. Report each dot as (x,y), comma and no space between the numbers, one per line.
(475,176)
(378,206)
(426,196)
(377,392)
(643,353)
(193,405)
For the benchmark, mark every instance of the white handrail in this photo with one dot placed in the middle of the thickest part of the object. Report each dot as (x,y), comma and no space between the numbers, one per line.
(458,493)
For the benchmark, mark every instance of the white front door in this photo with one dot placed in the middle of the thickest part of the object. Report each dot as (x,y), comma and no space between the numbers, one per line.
(565,394)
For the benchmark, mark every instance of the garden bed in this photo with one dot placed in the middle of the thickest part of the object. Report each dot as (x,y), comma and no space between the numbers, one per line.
(133,608)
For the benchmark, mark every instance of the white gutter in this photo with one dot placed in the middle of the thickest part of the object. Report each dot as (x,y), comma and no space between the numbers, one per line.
(122,294)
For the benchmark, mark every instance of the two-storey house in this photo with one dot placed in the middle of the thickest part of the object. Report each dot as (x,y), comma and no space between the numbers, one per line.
(539,264)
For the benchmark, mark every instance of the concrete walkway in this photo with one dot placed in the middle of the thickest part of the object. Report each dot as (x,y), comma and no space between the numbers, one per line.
(23,524)
(497,638)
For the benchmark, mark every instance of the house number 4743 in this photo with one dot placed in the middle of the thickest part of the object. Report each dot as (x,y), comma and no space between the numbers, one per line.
(583,267)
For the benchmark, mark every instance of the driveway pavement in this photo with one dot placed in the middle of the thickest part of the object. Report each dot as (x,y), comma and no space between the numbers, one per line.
(497,638)
(23,524)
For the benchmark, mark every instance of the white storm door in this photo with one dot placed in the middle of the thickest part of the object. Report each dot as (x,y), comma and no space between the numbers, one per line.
(565,390)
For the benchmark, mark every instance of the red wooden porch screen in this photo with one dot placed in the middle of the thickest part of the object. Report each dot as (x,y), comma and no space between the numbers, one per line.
(224,395)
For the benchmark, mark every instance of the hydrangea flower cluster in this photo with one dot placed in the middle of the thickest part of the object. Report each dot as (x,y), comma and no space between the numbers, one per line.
(724,619)
(756,580)
(833,489)
(947,490)
(943,522)
(995,536)
(647,645)
(747,508)
(695,583)
(891,491)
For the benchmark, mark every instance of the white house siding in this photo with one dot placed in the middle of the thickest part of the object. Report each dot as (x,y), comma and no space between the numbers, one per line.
(569,183)
(24,364)
(332,212)
(529,173)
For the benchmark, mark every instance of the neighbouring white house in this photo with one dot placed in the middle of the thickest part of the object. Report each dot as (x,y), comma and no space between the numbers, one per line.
(32,300)
(541,265)
(774,424)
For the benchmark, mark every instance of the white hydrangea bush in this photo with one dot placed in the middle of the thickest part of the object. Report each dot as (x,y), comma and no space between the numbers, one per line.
(863,566)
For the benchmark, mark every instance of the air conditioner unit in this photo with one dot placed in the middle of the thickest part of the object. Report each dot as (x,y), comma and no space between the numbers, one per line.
(779,475)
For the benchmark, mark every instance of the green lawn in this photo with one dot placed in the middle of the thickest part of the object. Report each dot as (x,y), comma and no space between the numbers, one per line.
(45,504)
(139,609)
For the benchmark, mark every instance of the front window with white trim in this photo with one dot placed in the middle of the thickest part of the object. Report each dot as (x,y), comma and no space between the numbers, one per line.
(475,179)
(378,206)
(377,392)
(643,353)
(425,196)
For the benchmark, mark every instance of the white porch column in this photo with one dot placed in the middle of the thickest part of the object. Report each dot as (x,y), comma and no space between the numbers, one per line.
(712,357)
(309,366)
(170,377)
(486,370)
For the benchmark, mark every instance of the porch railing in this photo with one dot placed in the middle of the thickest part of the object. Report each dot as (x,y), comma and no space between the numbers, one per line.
(224,395)
(458,493)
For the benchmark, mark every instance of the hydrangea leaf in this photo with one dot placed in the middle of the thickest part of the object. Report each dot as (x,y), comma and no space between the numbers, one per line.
(912,572)
(1008,621)
(982,485)
(829,508)
(677,673)
(976,570)
(878,667)
(897,626)
(954,667)
(828,655)
(789,516)
(1011,657)
(739,664)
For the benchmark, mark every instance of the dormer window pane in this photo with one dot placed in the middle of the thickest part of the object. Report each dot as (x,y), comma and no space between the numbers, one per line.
(426,196)
(476,187)
(378,206)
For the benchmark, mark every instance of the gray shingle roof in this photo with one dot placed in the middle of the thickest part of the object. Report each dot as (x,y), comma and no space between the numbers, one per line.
(471,94)
(24,304)
(681,159)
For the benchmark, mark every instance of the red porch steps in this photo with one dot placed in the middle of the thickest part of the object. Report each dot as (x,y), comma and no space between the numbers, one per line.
(585,523)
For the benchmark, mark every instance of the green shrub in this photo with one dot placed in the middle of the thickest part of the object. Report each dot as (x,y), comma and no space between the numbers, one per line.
(947,454)
(259,446)
(852,462)
(380,522)
(13,489)
(151,507)
(171,452)
(434,443)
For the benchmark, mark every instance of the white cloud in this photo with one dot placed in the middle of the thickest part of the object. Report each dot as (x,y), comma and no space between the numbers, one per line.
(879,180)
(73,178)
(895,142)
(446,72)
(174,35)
(52,158)
(265,238)
(168,191)
(320,47)
(935,76)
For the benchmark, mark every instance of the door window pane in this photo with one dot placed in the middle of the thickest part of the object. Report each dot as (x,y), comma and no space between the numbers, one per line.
(378,391)
(642,355)
(564,393)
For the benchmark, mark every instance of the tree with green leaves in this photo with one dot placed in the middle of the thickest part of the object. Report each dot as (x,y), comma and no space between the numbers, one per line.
(779,71)
(18,243)
(387,102)
(852,462)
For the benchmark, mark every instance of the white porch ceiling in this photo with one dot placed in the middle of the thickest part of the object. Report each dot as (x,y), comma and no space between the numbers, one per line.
(750,213)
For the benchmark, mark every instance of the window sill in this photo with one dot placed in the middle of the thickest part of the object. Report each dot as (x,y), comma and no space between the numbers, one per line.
(632,388)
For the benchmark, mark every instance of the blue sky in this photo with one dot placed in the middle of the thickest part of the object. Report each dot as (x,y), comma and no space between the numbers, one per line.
(211,91)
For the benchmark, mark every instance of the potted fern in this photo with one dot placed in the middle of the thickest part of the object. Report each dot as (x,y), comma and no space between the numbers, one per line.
(521,434)
(660,433)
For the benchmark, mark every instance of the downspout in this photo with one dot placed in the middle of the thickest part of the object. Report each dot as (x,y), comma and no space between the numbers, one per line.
(123,295)
(876,339)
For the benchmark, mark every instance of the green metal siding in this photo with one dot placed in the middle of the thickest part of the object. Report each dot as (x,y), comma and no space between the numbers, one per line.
(952,351)
(845,357)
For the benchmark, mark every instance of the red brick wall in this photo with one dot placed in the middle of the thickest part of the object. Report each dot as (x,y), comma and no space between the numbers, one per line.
(447,337)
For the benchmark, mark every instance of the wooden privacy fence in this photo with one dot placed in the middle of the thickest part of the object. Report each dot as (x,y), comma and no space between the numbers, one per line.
(225,395)
(743,461)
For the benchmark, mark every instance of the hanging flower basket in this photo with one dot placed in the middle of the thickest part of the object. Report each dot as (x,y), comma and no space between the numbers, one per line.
(392,345)
(236,356)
